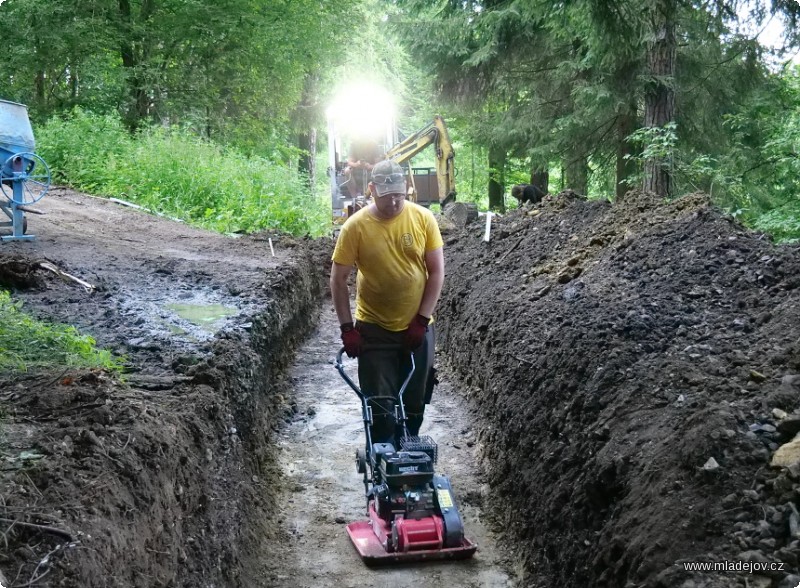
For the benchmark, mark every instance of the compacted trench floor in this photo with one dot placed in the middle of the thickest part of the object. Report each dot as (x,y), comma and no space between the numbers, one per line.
(317,456)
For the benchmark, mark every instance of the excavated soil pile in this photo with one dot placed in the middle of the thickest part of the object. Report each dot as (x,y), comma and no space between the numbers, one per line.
(637,365)
(166,477)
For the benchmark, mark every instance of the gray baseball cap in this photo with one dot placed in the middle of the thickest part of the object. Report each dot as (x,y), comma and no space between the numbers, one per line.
(389,178)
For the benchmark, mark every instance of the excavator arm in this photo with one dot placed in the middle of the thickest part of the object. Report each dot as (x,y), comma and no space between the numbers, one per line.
(434,133)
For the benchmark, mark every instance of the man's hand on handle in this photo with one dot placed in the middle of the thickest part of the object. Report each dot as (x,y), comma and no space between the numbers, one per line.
(351,339)
(415,334)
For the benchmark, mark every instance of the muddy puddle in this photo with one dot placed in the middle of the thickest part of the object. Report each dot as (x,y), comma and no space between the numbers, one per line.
(181,317)
(208,317)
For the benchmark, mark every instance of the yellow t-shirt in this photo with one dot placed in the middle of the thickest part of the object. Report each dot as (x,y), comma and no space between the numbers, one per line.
(390,258)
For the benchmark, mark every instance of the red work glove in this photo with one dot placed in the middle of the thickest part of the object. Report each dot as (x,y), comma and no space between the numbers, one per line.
(351,339)
(415,334)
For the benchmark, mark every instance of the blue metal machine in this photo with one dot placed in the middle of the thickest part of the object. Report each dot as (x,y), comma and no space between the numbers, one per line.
(24,176)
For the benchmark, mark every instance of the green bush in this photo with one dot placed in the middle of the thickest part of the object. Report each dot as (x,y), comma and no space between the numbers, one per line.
(26,343)
(82,150)
(782,223)
(178,174)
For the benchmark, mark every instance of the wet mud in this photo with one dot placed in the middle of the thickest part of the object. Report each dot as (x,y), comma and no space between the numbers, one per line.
(224,454)
(317,456)
(620,379)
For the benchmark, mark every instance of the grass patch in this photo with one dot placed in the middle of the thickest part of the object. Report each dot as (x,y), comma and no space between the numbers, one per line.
(176,173)
(26,343)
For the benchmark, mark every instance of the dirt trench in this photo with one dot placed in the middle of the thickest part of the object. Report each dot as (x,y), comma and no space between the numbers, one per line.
(205,465)
(637,368)
(634,369)
(317,455)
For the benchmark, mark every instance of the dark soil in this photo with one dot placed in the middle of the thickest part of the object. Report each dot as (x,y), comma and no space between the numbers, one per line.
(166,478)
(609,351)
(612,350)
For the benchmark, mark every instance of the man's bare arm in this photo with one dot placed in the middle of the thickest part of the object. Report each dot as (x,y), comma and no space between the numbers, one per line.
(434,261)
(340,293)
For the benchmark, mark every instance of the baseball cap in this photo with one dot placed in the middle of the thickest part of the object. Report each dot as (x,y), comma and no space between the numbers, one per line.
(389,178)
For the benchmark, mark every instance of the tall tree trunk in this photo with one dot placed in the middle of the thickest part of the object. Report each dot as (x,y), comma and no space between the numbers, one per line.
(497,164)
(659,100)
(541,178)
(133,51)
(307,162)
(39,89)
(128,54)
(576,172)
(41,75)
(74,82)
(305,118)
(626,124)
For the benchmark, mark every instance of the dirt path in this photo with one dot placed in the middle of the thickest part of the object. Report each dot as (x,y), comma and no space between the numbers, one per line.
(317,456)
(197,380)
(144,267)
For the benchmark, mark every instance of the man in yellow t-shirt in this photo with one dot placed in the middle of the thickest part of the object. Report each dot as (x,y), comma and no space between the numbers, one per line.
(396,247)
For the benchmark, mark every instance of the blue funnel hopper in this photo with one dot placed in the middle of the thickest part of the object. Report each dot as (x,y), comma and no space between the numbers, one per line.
(24,176)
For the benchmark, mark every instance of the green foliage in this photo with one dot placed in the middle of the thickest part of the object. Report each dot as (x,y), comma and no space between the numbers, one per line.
(782,223)
(177,174)
(56,54)
(654,143)
(562,85)
(84,150)
(657,142)
(545,82)
(758,186)
(233,70)
(692,171)
(27,343)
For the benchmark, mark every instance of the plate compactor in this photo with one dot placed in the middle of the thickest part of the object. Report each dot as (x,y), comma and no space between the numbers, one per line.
(412,513)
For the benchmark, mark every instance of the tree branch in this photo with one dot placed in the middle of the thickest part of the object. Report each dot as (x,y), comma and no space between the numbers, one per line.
(41,528)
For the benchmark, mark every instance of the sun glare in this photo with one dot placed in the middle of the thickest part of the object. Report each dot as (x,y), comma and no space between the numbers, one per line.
(362,109)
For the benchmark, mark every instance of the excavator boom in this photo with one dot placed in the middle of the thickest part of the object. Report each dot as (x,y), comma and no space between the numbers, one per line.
(434,133)
(347,198)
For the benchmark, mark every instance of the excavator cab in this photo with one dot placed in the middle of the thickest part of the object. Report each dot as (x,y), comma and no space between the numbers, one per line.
(361,129)
(359,117)
(425,184)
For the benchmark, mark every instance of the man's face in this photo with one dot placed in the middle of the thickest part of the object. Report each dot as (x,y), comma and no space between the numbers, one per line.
(389,205)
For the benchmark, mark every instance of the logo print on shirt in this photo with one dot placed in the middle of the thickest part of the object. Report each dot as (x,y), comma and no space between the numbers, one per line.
(407,240)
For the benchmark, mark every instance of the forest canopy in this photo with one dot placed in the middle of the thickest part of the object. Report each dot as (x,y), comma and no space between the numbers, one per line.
(672,96)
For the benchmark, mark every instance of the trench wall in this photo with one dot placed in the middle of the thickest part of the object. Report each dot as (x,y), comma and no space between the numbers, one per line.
(169,481)
(611,351)
(250,373)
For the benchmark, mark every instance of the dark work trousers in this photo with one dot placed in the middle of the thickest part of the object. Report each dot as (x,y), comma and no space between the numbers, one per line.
(381,373)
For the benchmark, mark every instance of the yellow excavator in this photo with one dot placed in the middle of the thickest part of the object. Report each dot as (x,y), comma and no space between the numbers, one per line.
(429,185)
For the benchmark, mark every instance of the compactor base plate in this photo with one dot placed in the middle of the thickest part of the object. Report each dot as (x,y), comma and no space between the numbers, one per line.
(372,552)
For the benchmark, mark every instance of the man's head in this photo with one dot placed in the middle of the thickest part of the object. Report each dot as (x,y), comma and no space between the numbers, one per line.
(388,178)
(388,186)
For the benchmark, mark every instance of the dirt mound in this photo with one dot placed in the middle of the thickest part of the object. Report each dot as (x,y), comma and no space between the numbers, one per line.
(166,477)
(637,367)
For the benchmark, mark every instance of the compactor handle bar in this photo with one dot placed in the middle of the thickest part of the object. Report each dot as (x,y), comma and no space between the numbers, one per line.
(366,410)
(354,386)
